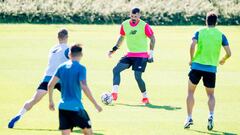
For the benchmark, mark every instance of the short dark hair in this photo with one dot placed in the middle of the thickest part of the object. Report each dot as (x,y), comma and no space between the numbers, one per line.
(135,10)
(211,18)
(76,50)
(62,33)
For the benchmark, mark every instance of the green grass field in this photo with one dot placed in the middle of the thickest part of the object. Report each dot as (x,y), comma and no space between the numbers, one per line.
(23,58)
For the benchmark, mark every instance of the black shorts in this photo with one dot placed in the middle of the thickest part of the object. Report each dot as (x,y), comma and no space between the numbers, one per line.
(138,64)
(44,86)
(70,119)
(209,79)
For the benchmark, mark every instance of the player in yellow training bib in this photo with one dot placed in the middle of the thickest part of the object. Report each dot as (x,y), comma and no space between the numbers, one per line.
(136,32)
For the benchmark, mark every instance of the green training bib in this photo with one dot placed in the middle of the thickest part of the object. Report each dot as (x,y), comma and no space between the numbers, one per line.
(135,36)
(209,47)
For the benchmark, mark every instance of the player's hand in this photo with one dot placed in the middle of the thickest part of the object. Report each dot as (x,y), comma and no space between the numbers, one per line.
(110,53)
(190,63)
(222,62)
(98,107)
(51,106)
(150,60)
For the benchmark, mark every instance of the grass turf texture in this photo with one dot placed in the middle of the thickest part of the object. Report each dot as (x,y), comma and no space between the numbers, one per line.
(23,58)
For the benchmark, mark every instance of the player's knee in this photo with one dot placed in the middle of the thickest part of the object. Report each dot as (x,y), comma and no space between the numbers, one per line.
(116,71)
(211,96)
(66,132)
(28,105)
(138,77)
(190,93)
(190,97)
(32,102)
(87,131)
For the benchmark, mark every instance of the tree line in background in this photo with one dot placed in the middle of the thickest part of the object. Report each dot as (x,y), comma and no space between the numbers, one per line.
(155,12)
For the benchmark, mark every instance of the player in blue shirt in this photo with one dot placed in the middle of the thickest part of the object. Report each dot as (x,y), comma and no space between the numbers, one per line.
(72,76)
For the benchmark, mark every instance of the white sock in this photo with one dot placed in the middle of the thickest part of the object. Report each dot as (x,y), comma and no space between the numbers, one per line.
(211,114)
(22,111)
(144,94)
(189,117)
(115,89)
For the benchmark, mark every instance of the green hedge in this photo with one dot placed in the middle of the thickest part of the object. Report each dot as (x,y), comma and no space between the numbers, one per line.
(155,12)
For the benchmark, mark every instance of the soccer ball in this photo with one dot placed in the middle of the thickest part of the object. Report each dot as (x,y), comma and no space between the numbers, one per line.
(106,98)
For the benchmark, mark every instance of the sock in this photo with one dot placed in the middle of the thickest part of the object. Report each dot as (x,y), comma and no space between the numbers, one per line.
(189,117)
(144,94)
(22,111)
(115,89)
(211,114)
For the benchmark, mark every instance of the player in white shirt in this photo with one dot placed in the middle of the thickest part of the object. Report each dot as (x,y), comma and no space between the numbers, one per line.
(57,55)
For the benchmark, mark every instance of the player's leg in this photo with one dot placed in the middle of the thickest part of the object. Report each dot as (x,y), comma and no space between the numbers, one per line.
(139,66)
(194,78)
(66,132)
(211,105)
(87,131)
(209,80)
(122,65)
(211,100)
(42,91)
(35,99)
(190,103)
(142,86)
(65,124)
(116,72)
(82,120)
(38,95)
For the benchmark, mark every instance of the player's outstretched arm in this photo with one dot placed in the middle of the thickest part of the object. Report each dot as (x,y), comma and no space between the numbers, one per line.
(118,44)
(51,85)
(192,50)
(88,93)
(227,55)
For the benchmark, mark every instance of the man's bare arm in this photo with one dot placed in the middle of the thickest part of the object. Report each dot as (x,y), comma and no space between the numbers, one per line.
(192,50)
(227,55)
(118,44)
(88,93)
(152,42)
(51,85)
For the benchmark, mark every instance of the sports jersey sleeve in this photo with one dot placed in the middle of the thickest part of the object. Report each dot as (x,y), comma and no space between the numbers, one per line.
(57,73)
(83,74)
(148,30)
(122,32)
(195,36)
(224,40)
(66,53)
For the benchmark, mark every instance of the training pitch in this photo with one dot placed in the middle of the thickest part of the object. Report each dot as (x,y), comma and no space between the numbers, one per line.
(23,59)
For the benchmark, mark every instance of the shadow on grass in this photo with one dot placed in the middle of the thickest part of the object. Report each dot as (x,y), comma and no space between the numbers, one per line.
(213,132)
(80,131)
(33,129)
(39,129)
(165,107)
